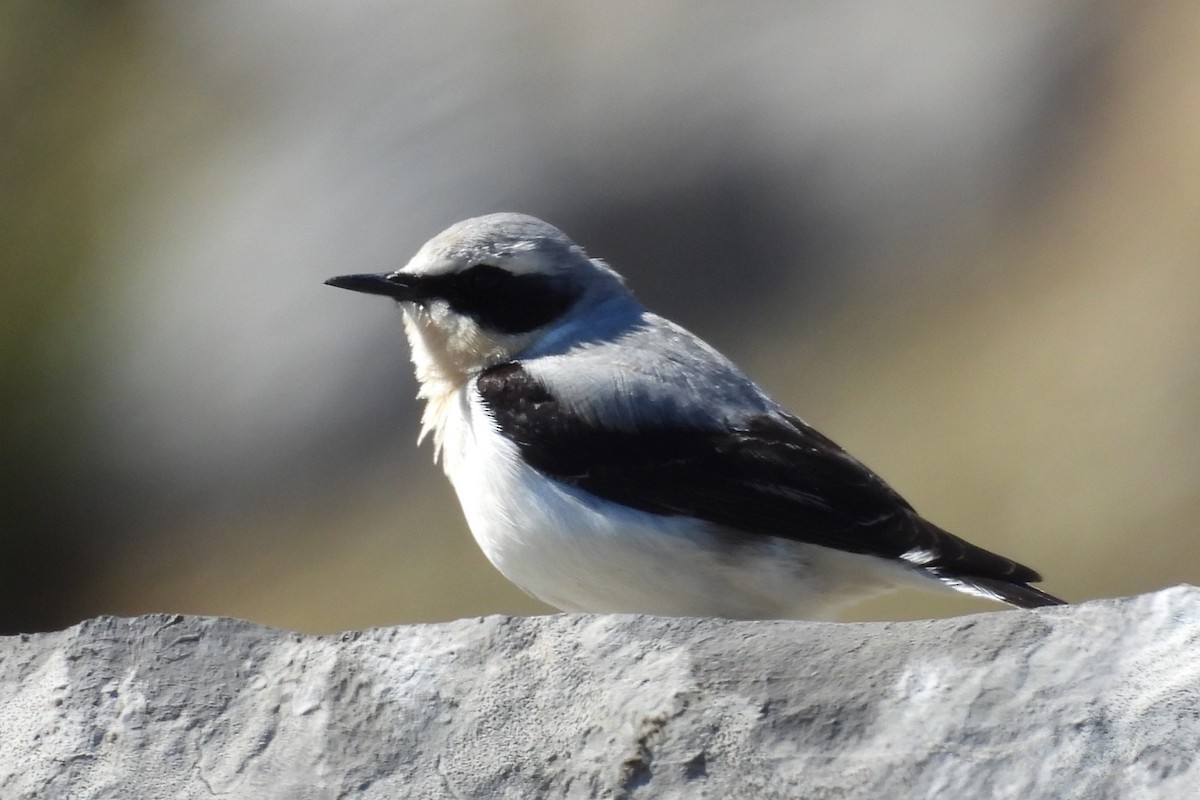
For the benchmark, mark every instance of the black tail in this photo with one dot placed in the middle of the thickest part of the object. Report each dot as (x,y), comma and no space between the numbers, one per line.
(1021,595)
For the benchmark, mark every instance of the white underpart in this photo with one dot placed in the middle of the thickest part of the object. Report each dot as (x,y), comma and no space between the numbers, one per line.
(579,553)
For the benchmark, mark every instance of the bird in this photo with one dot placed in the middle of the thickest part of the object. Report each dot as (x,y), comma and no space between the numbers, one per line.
(609,461)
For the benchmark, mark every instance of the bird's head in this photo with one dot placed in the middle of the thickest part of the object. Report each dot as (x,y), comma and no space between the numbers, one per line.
(486,289)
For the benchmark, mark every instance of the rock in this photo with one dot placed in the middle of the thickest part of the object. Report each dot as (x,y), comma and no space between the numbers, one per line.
(1099,700)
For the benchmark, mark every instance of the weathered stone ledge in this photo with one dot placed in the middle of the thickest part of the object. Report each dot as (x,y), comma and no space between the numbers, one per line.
(1099,700)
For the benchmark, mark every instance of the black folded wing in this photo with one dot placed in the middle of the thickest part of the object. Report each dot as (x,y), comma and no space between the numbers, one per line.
(771,475)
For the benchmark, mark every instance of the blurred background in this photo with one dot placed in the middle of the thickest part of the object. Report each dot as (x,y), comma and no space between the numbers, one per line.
(963,240)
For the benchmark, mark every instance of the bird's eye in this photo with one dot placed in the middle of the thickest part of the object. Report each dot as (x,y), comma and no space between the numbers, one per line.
(480,278)
(502,301)
(484,281)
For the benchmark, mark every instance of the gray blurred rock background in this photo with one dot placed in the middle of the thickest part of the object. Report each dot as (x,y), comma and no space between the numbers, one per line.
(962,240)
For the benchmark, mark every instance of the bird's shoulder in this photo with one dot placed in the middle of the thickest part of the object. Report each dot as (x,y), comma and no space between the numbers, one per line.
(639,375)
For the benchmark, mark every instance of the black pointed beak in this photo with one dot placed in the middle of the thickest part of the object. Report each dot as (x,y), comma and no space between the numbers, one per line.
(388,284)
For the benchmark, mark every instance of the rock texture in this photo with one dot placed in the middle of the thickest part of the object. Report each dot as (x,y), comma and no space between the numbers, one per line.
(1100,700)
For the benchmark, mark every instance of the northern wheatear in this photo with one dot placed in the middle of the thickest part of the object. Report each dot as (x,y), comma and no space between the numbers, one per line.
(608,460)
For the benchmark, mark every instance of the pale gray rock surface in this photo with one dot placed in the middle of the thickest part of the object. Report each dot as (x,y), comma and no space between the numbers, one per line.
(1100,700)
